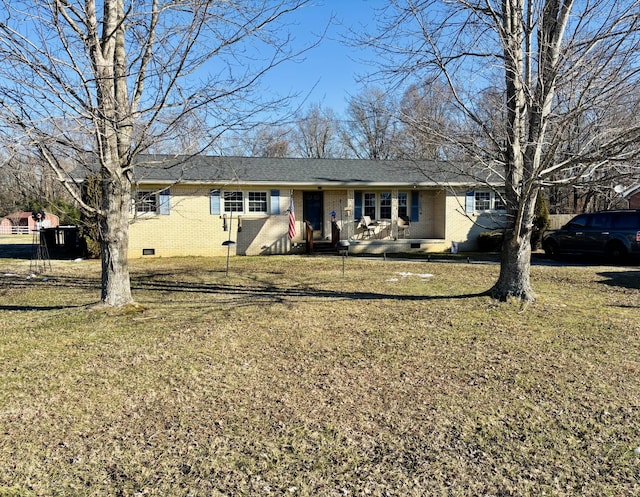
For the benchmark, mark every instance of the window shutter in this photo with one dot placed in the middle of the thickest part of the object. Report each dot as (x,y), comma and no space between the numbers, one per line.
(470,201)
(165,202)
(415,207)
(275,201)
(214,201)
(357,211)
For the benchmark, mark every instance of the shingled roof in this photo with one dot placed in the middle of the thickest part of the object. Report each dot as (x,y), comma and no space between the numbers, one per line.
(300,172)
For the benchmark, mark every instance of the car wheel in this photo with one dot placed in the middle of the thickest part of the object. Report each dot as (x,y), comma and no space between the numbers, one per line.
(551,249)
(616,252)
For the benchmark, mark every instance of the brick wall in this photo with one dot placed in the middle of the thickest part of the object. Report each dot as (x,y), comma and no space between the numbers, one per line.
(191,230)
(188,229)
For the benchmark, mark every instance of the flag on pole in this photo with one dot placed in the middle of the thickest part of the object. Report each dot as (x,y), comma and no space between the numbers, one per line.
(292,220)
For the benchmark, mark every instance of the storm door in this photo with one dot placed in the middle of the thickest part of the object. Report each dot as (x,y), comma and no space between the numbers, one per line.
(312,207)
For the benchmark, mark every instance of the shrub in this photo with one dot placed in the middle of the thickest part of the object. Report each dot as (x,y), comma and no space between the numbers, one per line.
(490,241)
(541,221)
(90,228)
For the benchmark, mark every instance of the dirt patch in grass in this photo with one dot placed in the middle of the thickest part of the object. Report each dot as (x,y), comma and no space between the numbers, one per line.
(288,378)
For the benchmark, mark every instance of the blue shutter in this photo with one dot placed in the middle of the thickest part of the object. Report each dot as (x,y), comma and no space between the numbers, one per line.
(214,202)
(165,202)
(415,207)
(275,201)
(470,201)
(357,211)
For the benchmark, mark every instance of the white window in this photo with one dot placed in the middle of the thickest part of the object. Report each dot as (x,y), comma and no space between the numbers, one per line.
(242,202)
(377,205)
(385,205)
(370,205)
(403,205)
(146,202)
(233,201)
(257,201)
(485,200)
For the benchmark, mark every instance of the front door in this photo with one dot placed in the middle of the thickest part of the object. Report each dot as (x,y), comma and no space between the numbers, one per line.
(312,208)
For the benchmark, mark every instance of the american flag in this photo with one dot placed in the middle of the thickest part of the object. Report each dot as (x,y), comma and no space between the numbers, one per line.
(292,220)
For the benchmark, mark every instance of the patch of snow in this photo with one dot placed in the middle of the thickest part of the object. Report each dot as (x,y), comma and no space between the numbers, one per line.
(423,275)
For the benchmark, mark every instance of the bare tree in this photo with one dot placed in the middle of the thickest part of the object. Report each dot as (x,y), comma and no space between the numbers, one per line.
(93,84)
(316,133)
(17,186)
(312,135)
(371,128)
(26,182)
(271,141)
(263,140)
(595,191)
(557,62)
(426,118)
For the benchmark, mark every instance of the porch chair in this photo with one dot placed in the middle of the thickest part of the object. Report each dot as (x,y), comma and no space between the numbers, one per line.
(403,227)
(367,226)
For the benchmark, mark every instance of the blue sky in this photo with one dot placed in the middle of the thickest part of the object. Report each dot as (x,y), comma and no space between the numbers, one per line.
(332,66)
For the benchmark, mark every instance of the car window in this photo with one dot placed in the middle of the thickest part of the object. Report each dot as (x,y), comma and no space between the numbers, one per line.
(626,220)
(579,221)
(599,221)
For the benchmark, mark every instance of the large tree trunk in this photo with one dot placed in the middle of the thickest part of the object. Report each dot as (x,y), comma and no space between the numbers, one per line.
(515,265)
(114,232)
(515,260)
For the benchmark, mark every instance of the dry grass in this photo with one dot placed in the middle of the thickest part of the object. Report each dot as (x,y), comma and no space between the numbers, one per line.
(286,378)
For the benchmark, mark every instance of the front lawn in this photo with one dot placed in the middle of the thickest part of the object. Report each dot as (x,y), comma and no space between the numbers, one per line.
(285,377)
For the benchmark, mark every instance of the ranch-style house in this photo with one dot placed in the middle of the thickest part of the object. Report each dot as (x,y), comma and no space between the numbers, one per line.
(207,205)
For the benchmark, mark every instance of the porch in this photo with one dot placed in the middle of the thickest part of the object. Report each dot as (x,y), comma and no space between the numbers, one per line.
(399,219)
(370,243)
(391,246)
(377,247)
(378,238)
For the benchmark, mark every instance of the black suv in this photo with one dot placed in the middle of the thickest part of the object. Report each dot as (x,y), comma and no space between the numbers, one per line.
(615,234)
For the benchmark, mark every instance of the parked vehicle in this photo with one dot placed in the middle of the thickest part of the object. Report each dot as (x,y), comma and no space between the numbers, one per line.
(615,234)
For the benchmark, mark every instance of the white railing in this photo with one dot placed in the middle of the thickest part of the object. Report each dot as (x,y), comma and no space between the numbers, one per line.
(14,230)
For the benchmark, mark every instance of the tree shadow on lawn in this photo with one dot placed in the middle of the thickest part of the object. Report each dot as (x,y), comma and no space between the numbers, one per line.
(256,293)
(17,251)
(27,308)
(14,282)
(624,279)
(29,251)
(252,294)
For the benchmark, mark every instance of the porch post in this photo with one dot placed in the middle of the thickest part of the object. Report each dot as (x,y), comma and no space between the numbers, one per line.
(394,214)
(349,215)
